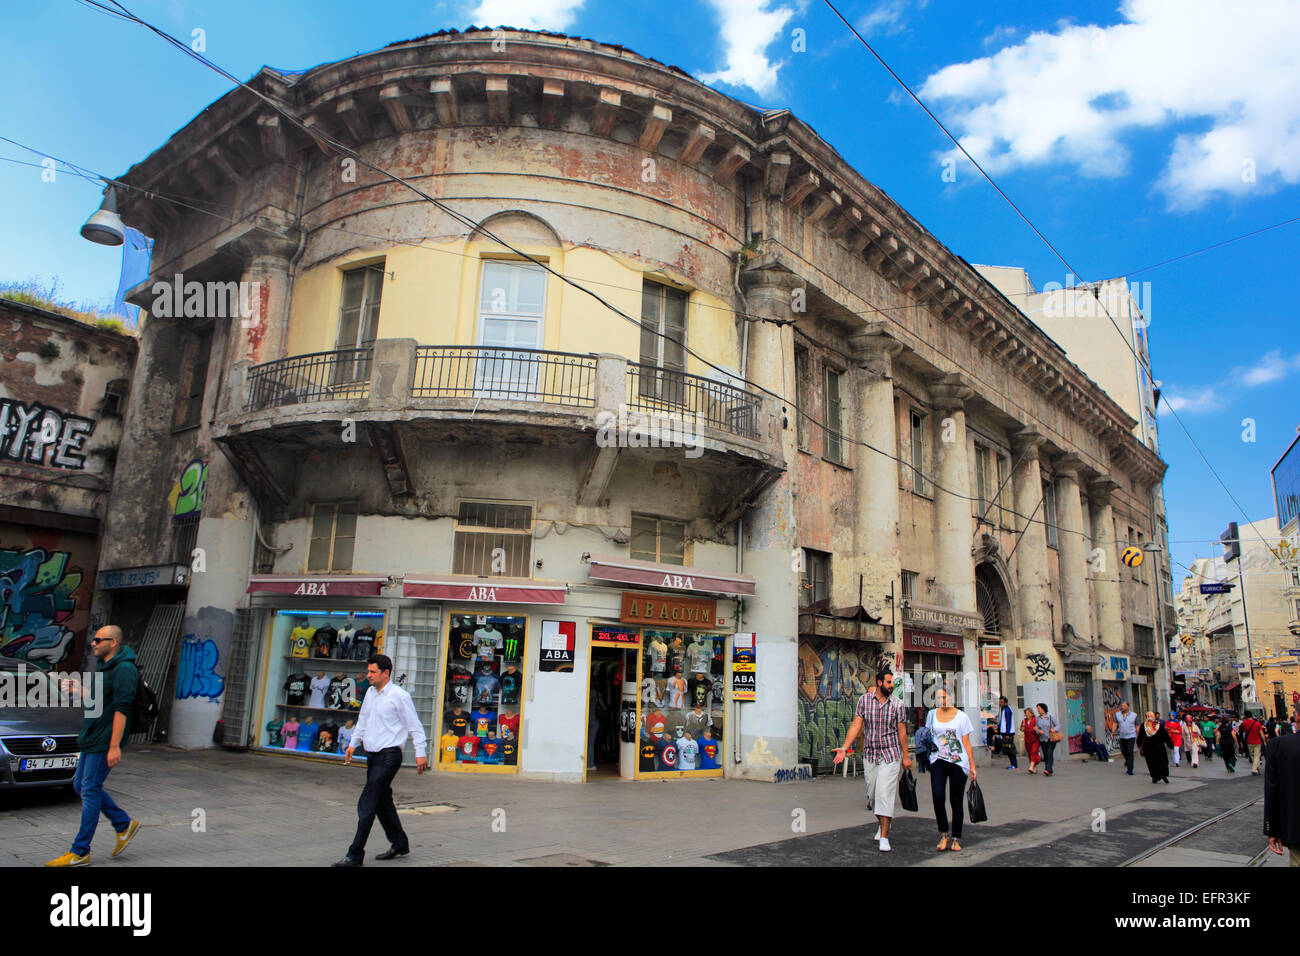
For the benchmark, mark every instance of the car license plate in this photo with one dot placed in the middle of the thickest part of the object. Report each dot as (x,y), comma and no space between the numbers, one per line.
(48,763)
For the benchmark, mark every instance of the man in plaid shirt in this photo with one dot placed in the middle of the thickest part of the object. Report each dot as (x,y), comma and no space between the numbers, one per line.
(882,717)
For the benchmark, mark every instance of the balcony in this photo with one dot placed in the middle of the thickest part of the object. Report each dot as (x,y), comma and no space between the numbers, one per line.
(484,394)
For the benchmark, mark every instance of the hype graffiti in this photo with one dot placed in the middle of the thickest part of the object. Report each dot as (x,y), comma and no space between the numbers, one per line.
(36,600)
(196,674)
(34,433)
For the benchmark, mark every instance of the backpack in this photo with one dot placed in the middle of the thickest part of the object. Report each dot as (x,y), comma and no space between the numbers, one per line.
(924,741)
(144,709)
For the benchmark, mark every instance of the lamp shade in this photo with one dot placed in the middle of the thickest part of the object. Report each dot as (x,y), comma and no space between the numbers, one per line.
(105,226)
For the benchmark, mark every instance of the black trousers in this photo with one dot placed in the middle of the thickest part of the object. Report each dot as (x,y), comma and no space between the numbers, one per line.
(377,800)
(946,775)
(1128,748)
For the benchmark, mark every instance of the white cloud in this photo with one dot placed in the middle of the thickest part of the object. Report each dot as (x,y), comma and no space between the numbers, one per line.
(1072,95)
(1195,402)
(1272,367)
(557,15)
(1000,35)
(747,31)
(888,17)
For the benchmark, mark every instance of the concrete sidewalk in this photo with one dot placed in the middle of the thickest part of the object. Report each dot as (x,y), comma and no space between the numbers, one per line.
(262,810)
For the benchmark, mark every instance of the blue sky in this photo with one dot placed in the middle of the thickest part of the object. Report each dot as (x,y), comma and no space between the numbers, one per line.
(1129,133)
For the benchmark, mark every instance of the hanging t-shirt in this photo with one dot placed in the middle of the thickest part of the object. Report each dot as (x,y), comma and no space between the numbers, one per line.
(486,641)
(676,692)
(363,643)
(346,634)
(345,737)
(337,694)
(676,657)
(647,755)
(710,752)
(297,685)
(698,690)
(947,737)
(467,749)
(696,722)
(273,738)
(458,723)
(509,752)
(481,721)
(514,645)
(307,732)
(508,725)
(300,641)
(490,748)
(289,732)
(512,681)
(486,687)
(318,685)
(447,747)
(699,655)
(665,754)
(688,752)
(327,738)
(657,652)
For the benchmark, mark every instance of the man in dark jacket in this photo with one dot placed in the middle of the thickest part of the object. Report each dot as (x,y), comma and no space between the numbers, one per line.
(1282,795)
(104,732)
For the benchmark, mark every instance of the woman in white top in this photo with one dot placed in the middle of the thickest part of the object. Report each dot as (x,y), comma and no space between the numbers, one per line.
(950,765)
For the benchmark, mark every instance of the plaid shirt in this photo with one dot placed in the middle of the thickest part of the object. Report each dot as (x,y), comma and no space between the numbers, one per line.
(880,722)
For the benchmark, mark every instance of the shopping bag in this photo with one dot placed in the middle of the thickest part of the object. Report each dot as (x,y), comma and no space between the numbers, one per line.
(907,791)
(975,804)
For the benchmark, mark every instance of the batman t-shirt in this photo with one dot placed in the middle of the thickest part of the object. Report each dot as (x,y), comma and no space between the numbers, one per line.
(458,723)
(647,755)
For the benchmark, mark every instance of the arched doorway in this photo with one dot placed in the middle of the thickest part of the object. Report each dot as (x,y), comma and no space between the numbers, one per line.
(998,627)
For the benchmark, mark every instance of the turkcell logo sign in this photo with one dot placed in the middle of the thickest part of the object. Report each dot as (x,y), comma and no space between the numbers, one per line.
(1215,588)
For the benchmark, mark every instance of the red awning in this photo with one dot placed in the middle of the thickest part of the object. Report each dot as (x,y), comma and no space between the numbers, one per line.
(1233,686)
(317,586)
(669,577)
(455,587)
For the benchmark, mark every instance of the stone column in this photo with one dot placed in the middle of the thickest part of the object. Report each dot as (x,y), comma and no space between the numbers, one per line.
(1072,548)
(767,727)
(1033,581)
(875,475)
(1104,568)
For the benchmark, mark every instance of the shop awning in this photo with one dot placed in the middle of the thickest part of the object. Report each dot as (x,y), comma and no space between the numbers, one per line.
(1233,686)
(669,577)
(321,585)
(457,587)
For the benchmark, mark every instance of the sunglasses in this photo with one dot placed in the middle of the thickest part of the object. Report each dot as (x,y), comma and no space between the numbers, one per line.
(99,640)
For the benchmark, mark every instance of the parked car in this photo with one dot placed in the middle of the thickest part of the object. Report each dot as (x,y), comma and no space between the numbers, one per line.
(38,745)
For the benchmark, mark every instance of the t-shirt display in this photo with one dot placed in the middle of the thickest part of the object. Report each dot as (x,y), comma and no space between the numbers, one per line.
(699,655)
(665,754)
(508,725)
(688,751)
(345,736)
(300,641)
(447,747)
(710,754)
(327,738)
(698,691)
(363,643)
(467,749)
(676,692)
(656,657)
(273,738)
(646,763)
(296,684)
(696,721)
(511,683)
(319,685)
(289,734)
(341,692)
(307,732)
(344,643)
(483,673)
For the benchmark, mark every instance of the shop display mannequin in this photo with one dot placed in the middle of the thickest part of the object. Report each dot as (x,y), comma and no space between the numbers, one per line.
(508,725)
(300,639)
(363,643)
(710,751)
(699,690)
(511,682)
(657,652)
(699,654)
(346,633)
(307,732)
(345,735)
(687,751)
(319,685)
(486,684)
(677,691)
(297,686)
(273,738)
(290,733)
(325,640)
(491,748)
(447,747)
(697,720)
(458,720)
(487,640)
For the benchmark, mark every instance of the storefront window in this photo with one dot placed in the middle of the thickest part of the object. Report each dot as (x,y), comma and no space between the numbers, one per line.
(484,692)
(917,666)
(316,677)
(680,704)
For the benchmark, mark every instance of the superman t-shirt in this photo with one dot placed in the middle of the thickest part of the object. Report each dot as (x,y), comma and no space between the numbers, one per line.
(491,749)
(709,754)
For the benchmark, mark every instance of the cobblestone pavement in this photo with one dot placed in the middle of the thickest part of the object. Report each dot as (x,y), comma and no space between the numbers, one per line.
(221,808)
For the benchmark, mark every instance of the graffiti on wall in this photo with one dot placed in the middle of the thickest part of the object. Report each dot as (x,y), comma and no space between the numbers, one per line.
(832,676)
(1110,706)
(1076,717)
(1040,667)
(186,496)
(37,602)
(41,435)
(196,674)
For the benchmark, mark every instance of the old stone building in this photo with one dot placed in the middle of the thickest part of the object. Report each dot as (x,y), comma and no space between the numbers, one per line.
(657,393)
(64,385)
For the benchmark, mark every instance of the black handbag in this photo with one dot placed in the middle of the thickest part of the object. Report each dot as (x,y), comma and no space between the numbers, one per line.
(975,804)
(907,791)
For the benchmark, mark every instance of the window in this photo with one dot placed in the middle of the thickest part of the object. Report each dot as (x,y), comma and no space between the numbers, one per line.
(1049,513)
(655,539)
(1004,491)
(493,538)
(815,578)
(663,342)
(359,306)
(333,535)
(185,538)
(1144,641)
(832,444)
(983,493)
(191,398)
(484,691)
(918,483)
(114,398)
(801,396)
(909,585)
(512,304)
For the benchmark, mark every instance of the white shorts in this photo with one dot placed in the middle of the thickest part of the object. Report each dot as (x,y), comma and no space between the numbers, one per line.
(882,785)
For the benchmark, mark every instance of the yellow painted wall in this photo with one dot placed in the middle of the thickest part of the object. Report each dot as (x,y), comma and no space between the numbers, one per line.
(430,294)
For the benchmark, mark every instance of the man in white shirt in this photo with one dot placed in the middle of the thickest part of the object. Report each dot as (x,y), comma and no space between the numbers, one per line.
(387,717)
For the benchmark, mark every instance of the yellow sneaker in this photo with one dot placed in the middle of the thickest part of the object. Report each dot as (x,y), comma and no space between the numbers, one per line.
(125,836)
(69,859)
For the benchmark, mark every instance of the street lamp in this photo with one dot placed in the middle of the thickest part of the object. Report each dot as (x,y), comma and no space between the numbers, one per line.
(105,225)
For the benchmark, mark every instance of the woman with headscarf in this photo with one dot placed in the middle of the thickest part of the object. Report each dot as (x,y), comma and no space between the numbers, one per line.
(1153,738)
(1228,745)
(1029,727)
(1192,740)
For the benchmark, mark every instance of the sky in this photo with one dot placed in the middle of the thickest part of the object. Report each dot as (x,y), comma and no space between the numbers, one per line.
(1129,134)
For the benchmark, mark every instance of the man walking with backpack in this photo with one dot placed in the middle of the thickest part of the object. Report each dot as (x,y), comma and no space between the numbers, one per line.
(101,739)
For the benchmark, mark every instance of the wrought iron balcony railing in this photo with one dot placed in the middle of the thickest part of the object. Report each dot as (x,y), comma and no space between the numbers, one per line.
(315,377)
(526,375)
(698,400)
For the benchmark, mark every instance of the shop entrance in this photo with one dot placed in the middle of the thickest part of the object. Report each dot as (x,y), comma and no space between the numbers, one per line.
(605,728)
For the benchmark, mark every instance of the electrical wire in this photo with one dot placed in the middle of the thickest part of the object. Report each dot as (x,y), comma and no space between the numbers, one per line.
(1044,239)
